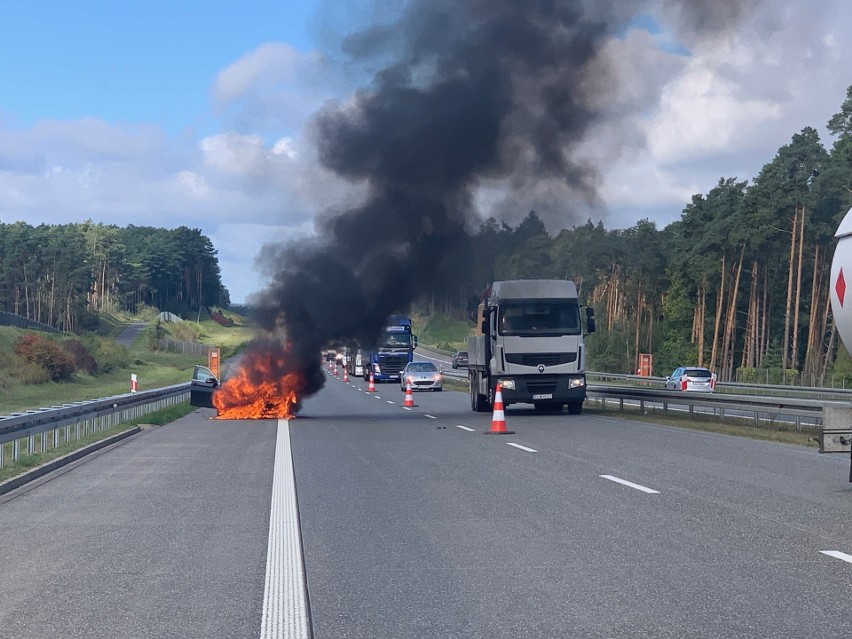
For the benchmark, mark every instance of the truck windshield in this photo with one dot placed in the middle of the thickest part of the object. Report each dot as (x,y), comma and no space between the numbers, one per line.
(539,317)
(395,340)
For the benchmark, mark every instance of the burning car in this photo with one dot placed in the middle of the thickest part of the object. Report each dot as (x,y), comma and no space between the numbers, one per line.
(268,384)
(201,388)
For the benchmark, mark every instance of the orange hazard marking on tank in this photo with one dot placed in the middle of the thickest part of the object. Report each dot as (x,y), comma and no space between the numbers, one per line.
(840,286)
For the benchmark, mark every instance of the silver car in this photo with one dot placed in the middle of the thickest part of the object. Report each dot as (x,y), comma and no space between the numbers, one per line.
(421,376)
(691,378)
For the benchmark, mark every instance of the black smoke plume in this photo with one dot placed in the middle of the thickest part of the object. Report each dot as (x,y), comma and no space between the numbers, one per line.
(475,90)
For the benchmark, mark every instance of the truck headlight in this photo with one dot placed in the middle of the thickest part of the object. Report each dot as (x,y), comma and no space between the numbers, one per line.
(376,368)
(508,384)
(576,382)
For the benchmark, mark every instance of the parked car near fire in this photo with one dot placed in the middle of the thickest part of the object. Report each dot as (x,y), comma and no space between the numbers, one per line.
(201,388)
(691,378)
(460,359)
(422,376)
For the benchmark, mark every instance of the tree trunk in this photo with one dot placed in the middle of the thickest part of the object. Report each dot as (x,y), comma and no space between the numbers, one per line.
(638,324)
(811,350)
(728,346)
(703,319)
(794,363)
(786,345)
(719,301)
(764,326)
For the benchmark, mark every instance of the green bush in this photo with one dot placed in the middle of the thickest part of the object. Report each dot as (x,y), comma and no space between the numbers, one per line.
(31,373)
(47,354)
(108,354)
(186,332)
(146,313)
(766,376)
(83,359)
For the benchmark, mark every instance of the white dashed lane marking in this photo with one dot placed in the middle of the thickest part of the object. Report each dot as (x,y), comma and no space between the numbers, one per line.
(624,482)
(838,555)
(529,450)
(470,430)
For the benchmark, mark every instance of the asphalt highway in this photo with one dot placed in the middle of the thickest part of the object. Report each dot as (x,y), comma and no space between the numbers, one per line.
(411,523)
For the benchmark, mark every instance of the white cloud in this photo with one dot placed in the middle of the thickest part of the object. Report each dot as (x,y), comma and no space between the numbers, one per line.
(674,123)
(700,114)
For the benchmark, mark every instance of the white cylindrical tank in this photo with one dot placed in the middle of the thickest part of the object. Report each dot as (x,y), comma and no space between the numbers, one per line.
(841,281)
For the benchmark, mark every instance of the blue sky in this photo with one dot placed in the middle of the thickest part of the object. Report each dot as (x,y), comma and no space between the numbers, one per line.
(196,113)
(149,61)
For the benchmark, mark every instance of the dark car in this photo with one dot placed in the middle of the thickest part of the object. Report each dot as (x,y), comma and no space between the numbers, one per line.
(421,376)
(201,388)
(460,359)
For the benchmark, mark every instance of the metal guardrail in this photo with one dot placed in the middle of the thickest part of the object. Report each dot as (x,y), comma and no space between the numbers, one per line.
(73,421)
(808,412)
(800,405)
(735,387)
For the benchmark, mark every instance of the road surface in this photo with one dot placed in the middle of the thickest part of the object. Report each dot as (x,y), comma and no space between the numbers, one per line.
(411,523)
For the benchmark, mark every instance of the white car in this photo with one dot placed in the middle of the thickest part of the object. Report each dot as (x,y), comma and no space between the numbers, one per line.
(691,378)
(421,376)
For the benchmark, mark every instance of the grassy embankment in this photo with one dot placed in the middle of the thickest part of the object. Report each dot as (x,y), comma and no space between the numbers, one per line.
(153,368)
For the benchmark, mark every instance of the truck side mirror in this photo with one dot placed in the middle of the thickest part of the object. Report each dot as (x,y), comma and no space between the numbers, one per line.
(484,327)
(590,319)
(414,337)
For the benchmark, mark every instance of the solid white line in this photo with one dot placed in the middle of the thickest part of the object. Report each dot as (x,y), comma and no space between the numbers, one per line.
(431,416)
(470,430)
(529,450)
(838,555)
(285,607)
(624,482)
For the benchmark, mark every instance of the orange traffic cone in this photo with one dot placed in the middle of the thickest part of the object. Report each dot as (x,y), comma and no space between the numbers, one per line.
(372,387)
(336,371)
(498,419)
(345,375)
(409,398)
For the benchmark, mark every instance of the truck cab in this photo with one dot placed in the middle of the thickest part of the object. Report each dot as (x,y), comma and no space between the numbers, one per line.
(394,350)
(531,342)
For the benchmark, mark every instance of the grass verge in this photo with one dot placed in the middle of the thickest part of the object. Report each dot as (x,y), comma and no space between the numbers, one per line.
(443,332)
(771,431)
(26,462)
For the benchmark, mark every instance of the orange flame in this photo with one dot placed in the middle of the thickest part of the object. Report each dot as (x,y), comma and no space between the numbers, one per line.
(273,394)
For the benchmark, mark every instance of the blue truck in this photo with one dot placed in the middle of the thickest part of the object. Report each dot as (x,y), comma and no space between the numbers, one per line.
(394,349)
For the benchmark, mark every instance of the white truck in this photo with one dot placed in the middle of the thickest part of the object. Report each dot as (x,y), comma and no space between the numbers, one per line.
(530,339)
(836,434)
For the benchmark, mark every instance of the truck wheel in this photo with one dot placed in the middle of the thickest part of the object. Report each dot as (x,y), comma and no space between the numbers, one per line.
(478,403)
(575,408)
